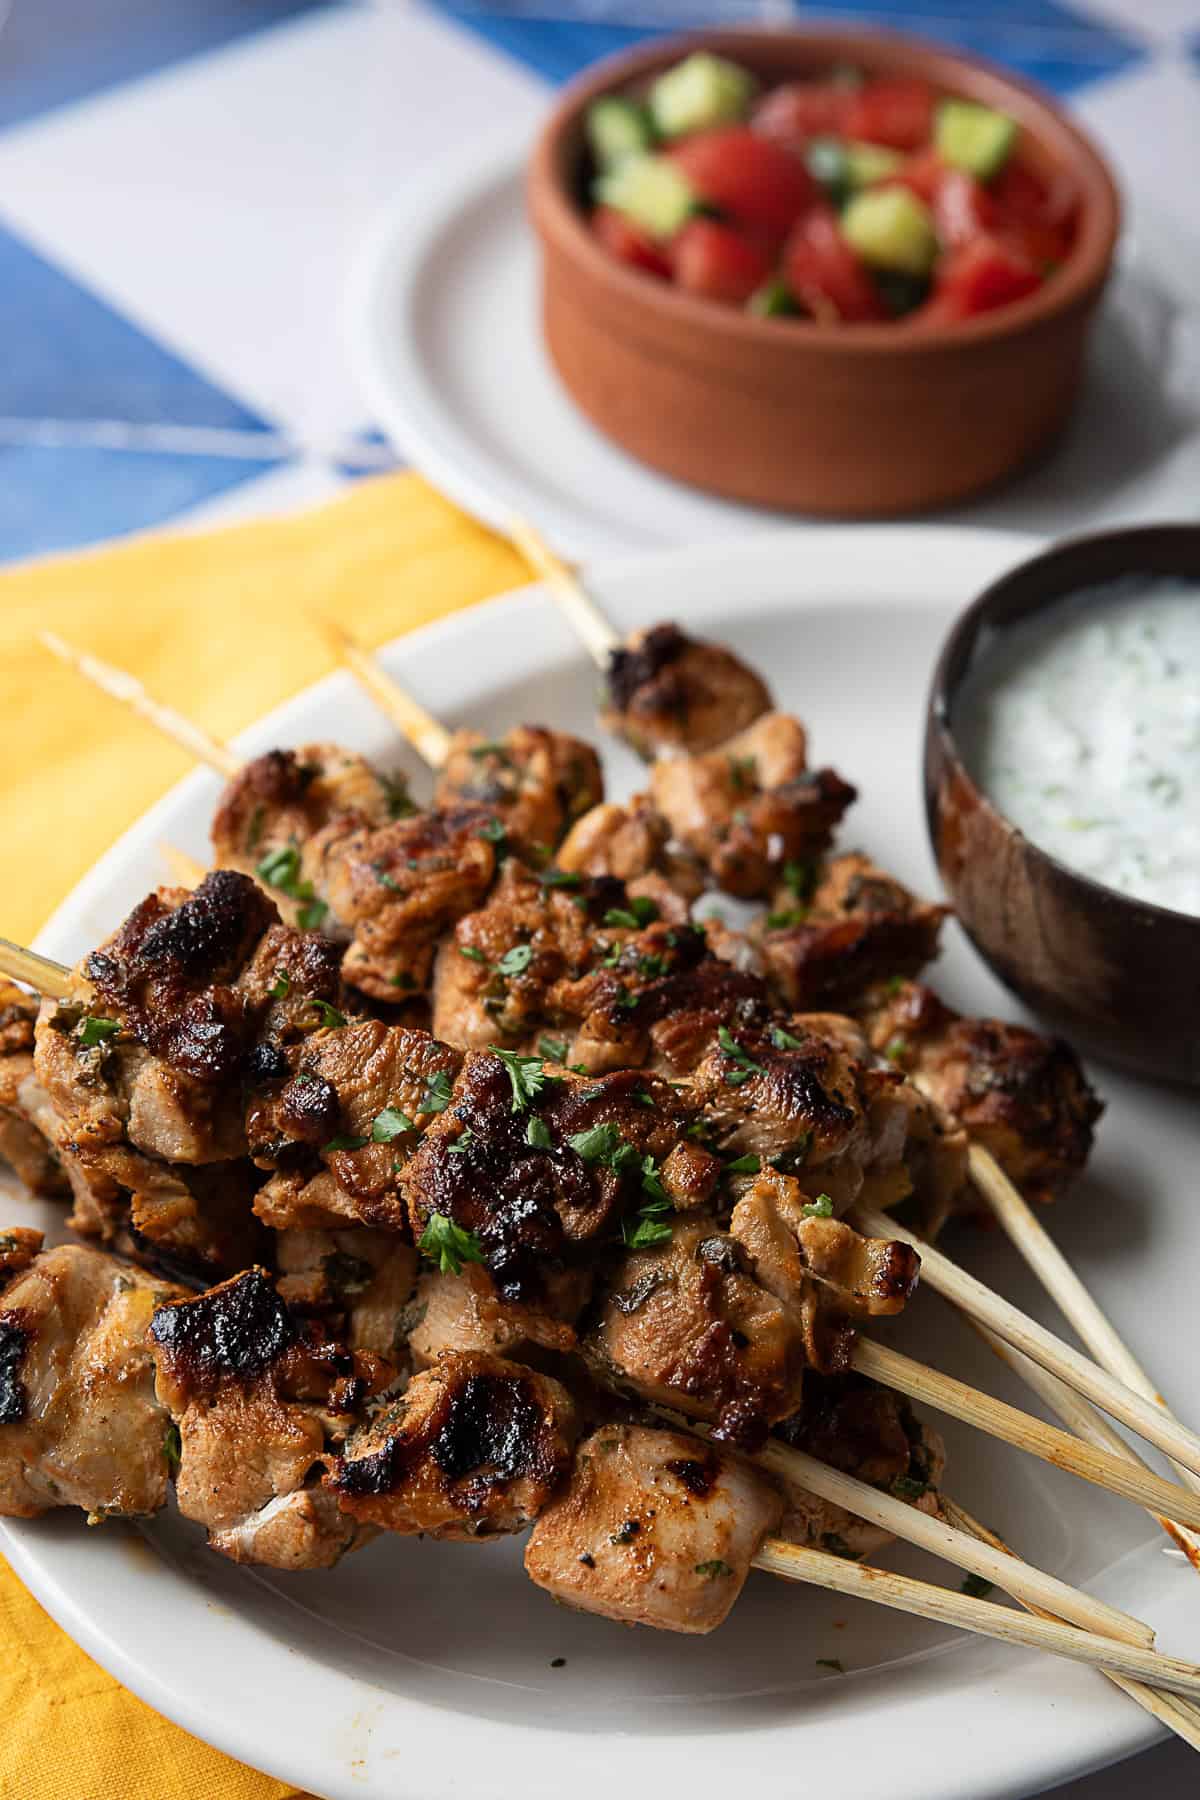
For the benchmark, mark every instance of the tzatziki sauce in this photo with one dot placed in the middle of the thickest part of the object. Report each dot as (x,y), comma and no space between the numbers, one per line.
(1082,726)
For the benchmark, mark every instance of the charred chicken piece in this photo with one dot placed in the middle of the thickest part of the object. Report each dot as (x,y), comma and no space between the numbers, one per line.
(836,928)
(667,691)
(393,890)
(79,1421)
(28,1151)
(1022,1095)
(359,1282)
(751,807)
(867,1431)
(277,802)
(653,1528)
(537,782)
(337,1124)
(474,1447)
(800,1255)
(258,1396)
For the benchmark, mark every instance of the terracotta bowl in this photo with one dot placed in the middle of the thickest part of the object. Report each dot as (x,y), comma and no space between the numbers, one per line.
(1118,976)
(862,420)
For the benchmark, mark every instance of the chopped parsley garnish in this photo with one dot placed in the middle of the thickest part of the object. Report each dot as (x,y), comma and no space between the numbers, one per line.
(820,1208)
(830,1662)
(713,1569)
(384,879)
(448,1245)
(561,878)
(907,1487)
(389,1124)
(490,747)
(896,1049)
(783,921)
(280,869)
(800,878)
(640,911)
(329,1018)
(643,1098)
(783,1040)
(436,1097)
(893,985)
(537,1133)
(403,979)
(254,833)
(977,1587)
(495,834)
(552,1049)
(527,1075)
(744,1165)
(281,987)
(173,1448)
(471,953)
(746,1065)
(396,796)
(599,1143)
(94,1032)
(462,1144)
(346,1143)
(743,770)
(311,915)
(516,960)
(652,966)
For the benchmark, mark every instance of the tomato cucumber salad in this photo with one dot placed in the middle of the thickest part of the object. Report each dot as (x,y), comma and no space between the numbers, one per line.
(849,199)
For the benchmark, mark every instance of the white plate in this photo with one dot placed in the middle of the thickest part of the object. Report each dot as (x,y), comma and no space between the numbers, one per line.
(423,1669)
(444,334)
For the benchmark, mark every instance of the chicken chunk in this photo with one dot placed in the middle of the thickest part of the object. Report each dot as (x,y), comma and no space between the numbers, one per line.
(1021,1095)
(632,843)
(463,1311)
(360,1282)
(27,1150)
(667,691)
(685,1324)
(653,1528)
(338,1125)
(79,1421)
(751,807)
(394,890)
(257,1398)
(474,1447)
(537,782)
(277,802)
(836,928)
(791,1245)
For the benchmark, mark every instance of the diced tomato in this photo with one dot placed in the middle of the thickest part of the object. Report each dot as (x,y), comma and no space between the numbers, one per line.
(825,274)
(898,113)
(979,276)
(719,262)
(760,185)
(962,208)
(799,111)
(622,238)
(922,172)
(1036,215)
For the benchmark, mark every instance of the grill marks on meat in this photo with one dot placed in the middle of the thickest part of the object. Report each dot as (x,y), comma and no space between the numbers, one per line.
(752,806)
(396,889)
(858,927)
(342,1083)
(635,1536)
(1022,1095)
(282,799)
(30,1153)
(258,1397)
(79,1421)
(531,1207)
(475,1446)
(667,691)
(537,781)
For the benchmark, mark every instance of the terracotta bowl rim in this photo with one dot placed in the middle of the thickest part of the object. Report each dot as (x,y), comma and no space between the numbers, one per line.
(1082,274)
(960,642)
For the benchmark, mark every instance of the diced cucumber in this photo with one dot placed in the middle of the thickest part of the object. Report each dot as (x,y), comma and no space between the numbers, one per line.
(891,229)
(773,300)
(698,93)
(617,128)
(973,137)
(651,191)
(868,163)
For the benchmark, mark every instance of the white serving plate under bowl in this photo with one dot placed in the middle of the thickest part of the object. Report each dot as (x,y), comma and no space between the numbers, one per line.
(421,1669)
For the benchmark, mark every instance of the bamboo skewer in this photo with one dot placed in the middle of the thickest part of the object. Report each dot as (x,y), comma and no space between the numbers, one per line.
(184,870)
(428,737)
(1009,1322)
(598,637)
(1024,1432)
(1060,1281)
(1178,1715)
(50,978)
(130,692)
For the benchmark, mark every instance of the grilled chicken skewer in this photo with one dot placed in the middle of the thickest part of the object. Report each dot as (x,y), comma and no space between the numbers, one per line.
(144,963)
(475,1445)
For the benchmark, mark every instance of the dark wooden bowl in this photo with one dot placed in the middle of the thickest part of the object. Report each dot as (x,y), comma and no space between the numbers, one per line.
(862,420)
(1117,975)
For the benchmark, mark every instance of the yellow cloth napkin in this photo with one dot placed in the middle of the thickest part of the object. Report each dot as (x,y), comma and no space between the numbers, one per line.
(221,625)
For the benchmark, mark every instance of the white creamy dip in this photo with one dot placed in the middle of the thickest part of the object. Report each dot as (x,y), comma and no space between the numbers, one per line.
(1083,727)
